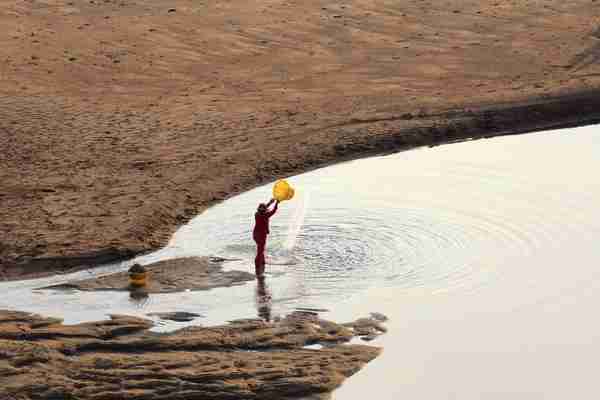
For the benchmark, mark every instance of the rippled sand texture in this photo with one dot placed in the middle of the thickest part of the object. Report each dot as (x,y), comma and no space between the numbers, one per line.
(120,120)
(118,359)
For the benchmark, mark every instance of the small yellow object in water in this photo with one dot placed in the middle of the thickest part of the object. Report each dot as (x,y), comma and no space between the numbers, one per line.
(137,279)
(137,276)
(282,191)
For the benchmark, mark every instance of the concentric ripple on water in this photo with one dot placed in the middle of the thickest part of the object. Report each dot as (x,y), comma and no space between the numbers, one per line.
(460,217)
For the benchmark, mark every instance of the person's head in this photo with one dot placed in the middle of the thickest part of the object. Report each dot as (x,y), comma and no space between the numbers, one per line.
(262,208)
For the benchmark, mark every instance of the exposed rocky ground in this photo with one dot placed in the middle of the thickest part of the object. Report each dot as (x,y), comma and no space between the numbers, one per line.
(119,359)
(174,275)
(120,120)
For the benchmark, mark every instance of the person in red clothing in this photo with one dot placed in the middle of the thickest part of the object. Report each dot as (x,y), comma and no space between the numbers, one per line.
(261,230)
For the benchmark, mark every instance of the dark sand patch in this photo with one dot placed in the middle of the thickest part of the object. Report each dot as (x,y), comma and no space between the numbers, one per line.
(177,316)
(174,275)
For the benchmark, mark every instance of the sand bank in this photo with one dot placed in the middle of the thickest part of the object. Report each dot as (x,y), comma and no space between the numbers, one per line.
(121,121)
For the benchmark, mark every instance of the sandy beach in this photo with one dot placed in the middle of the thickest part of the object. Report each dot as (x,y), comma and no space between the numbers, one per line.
(122,120)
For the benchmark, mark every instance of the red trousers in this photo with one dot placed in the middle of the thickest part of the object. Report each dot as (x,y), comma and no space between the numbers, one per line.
(259,260)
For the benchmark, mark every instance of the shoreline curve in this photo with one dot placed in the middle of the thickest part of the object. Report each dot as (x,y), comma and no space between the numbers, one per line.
(394,134)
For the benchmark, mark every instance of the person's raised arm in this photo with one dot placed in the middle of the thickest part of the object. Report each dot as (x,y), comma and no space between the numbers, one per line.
(270,202)
(270,213)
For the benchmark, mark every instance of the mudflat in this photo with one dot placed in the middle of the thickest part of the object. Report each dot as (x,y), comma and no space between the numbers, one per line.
(120,359)
(120,120)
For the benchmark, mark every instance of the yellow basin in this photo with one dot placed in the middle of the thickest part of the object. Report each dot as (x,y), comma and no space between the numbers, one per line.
(283,191)
(138,278)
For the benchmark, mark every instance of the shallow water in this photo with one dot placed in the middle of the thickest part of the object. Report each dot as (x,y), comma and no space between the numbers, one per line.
(483,254)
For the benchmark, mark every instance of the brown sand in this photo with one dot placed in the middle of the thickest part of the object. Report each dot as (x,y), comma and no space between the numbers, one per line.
(119,359)
(120,120)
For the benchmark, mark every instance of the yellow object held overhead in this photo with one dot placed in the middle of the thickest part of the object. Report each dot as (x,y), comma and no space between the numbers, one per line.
(282,191)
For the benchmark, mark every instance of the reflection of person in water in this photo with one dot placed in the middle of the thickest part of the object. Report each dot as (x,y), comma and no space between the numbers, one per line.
(138,296)
(260,232)
(263,300)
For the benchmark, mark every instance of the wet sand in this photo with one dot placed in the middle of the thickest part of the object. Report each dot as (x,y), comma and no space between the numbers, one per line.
(121,121)
(119,359)
(174,275)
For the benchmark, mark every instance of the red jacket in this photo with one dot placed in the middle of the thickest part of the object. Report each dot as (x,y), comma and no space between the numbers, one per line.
(261,226)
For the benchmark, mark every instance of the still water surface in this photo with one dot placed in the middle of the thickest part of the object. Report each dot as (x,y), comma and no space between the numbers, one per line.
(485,255)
